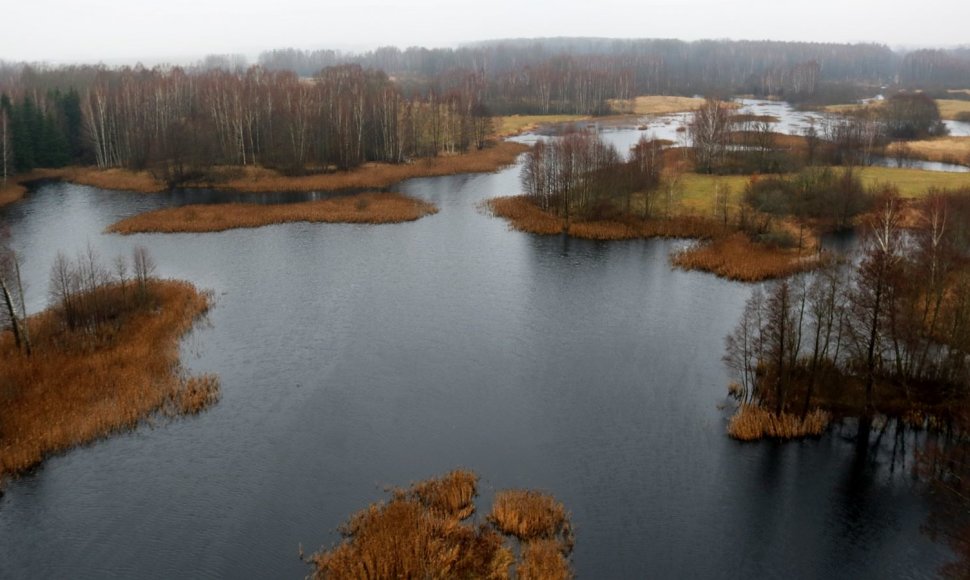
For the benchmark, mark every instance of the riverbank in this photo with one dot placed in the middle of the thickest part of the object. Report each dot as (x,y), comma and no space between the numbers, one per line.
(362,208)
(77,387)
(250,179)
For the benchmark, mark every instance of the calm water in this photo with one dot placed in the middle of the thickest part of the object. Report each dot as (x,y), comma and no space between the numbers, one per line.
(356,357)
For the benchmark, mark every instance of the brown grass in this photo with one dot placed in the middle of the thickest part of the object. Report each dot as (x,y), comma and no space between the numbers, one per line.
(944,149)
(511,125)
(11,192)
(452,496)
(71,392)
(525,216)
(370,208)
(531,515)
(655,105)
(543,560)
(733,256)
(952,108)
(752,422)
(421,533)
(736,257)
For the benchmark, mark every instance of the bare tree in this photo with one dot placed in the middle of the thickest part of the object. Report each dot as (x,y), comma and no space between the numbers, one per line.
(709,130)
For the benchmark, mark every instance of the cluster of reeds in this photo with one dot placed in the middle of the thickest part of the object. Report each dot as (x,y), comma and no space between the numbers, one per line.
(76,386)
(736,257)
(424,532)
(752,422)
(530,515)
(371,208)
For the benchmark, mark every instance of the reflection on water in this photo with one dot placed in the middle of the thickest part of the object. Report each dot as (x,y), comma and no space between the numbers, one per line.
(354,357)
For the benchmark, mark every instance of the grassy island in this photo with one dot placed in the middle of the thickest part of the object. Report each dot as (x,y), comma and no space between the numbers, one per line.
(370,208)
(426,531)
(99,362)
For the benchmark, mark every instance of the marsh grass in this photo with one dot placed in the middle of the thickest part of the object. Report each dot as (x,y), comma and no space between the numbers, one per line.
(369,208)
(944,150)
(543,560)
(752,422)
(726,254)
(78,387)
(531,515)
(510,125)
(523,215)
(952,108)
(655,105)
(736,257)
(422,532)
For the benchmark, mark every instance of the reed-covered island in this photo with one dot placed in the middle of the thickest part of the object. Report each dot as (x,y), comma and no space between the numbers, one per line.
(99,360)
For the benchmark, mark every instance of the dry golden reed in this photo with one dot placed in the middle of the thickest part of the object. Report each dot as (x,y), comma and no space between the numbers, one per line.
(422,533)
(736,257)
(75,389)
(753,422)
(451,496)
(370,208)
(530,515)
(543,560)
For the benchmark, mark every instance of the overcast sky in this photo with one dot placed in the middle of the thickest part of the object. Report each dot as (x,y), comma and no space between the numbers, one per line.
(177,30)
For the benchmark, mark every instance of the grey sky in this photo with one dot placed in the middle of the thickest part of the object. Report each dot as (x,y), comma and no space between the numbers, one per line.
(122,30)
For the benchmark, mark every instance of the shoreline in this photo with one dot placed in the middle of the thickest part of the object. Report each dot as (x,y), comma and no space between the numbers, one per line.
(250,179)
(723,251)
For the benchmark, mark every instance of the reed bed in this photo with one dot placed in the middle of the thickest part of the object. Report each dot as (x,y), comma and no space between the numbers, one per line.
(451,496)
(655,105)
(76,388)
(752,422)
(543,560)
(944,149)
(525,216)
(418,534)
(421,532)
(952,108)
(510,125)
(367,208)
(530,515)
(736,257)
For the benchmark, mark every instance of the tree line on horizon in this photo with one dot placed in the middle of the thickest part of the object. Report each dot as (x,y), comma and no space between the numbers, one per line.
(179,124)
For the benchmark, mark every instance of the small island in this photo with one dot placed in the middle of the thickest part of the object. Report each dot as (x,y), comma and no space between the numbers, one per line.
(362,208)
(426,531)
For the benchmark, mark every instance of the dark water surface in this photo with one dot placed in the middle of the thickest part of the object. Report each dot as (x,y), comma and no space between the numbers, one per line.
(353,357)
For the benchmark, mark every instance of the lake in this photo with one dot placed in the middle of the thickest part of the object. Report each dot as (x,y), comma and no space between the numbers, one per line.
(356,357)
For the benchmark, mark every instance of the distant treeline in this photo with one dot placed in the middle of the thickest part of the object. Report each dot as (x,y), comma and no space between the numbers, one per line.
(180,123)
(574,75)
